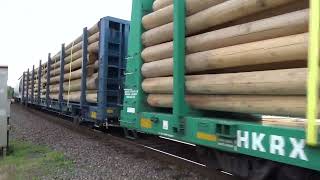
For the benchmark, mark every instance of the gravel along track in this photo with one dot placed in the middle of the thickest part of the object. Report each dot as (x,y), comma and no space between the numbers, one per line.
(92,158)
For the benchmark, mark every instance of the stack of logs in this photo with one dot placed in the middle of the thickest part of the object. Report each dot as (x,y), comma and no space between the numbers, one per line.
(29,87)
(25,85)
(73,70)
(241,56)
(35,86)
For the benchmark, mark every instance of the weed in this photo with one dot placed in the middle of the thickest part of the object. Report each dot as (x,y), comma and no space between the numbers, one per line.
(28,161)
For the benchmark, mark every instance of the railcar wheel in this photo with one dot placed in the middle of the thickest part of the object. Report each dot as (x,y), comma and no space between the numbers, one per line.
(207,157)
(296,173)
(76,120)
(251,168)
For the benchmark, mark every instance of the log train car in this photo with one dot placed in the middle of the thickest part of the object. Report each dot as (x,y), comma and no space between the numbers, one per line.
(229,76)
(85,79)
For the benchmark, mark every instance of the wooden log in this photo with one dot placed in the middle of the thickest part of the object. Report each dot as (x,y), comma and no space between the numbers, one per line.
(92,39)
(75,85)
(96,65)
(159,4)
(284,121)
(278,26)
(216,15)
(258,67)
(257,104)
(275,82)
(93,57)
(287,8)
(288,48)
(55,64)
(94,29)
(94,47)
(91,96)
(165,15)
(74,65)
(73,75)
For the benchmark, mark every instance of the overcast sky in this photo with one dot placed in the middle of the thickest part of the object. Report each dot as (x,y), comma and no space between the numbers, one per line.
(30,29)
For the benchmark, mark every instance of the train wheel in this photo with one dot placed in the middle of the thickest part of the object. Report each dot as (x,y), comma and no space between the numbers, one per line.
(296,173)
(207,157)
(251,168)
(76,120)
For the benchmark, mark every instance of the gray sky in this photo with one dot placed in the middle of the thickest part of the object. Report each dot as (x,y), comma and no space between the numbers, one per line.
(30,29)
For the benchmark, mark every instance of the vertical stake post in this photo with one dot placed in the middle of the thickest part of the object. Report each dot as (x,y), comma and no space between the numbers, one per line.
(48,80)
(23,89)
(125,47)
(32,86)
(121,56)
(27,94)
(61,90)
(103,69)
(83,98)
(39,82)
(179,104)
(313,76)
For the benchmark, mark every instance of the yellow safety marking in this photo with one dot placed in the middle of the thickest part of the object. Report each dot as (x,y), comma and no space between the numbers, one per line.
(146,123)
(313,76)
(206,136)
(109,111)
(93,115)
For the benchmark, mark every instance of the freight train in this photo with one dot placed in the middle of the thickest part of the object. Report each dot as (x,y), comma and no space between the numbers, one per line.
(243,60)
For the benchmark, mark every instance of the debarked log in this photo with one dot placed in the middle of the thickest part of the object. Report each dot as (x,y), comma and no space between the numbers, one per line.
(283,49)
(75,85)
(278,26)
(165,15)
(91,96)
(275,82)
(258,104)
(216,15)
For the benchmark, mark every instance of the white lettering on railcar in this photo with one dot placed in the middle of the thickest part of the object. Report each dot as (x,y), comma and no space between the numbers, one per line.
(298,149)
(243,139)
(165,134)
(130,93)
(165,125)
(131,110)
(277,144)
(257,142)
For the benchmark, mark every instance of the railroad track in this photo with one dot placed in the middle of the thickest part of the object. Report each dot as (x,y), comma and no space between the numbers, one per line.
(163,149)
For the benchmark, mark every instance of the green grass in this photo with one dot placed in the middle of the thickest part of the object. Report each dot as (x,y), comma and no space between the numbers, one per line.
(28,161)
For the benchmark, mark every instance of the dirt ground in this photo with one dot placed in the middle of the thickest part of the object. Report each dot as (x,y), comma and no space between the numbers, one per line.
(91,159)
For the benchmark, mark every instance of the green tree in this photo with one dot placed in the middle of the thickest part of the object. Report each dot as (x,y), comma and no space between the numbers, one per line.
(10,92)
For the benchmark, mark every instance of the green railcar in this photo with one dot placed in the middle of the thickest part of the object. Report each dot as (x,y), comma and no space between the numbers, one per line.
(246,146)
